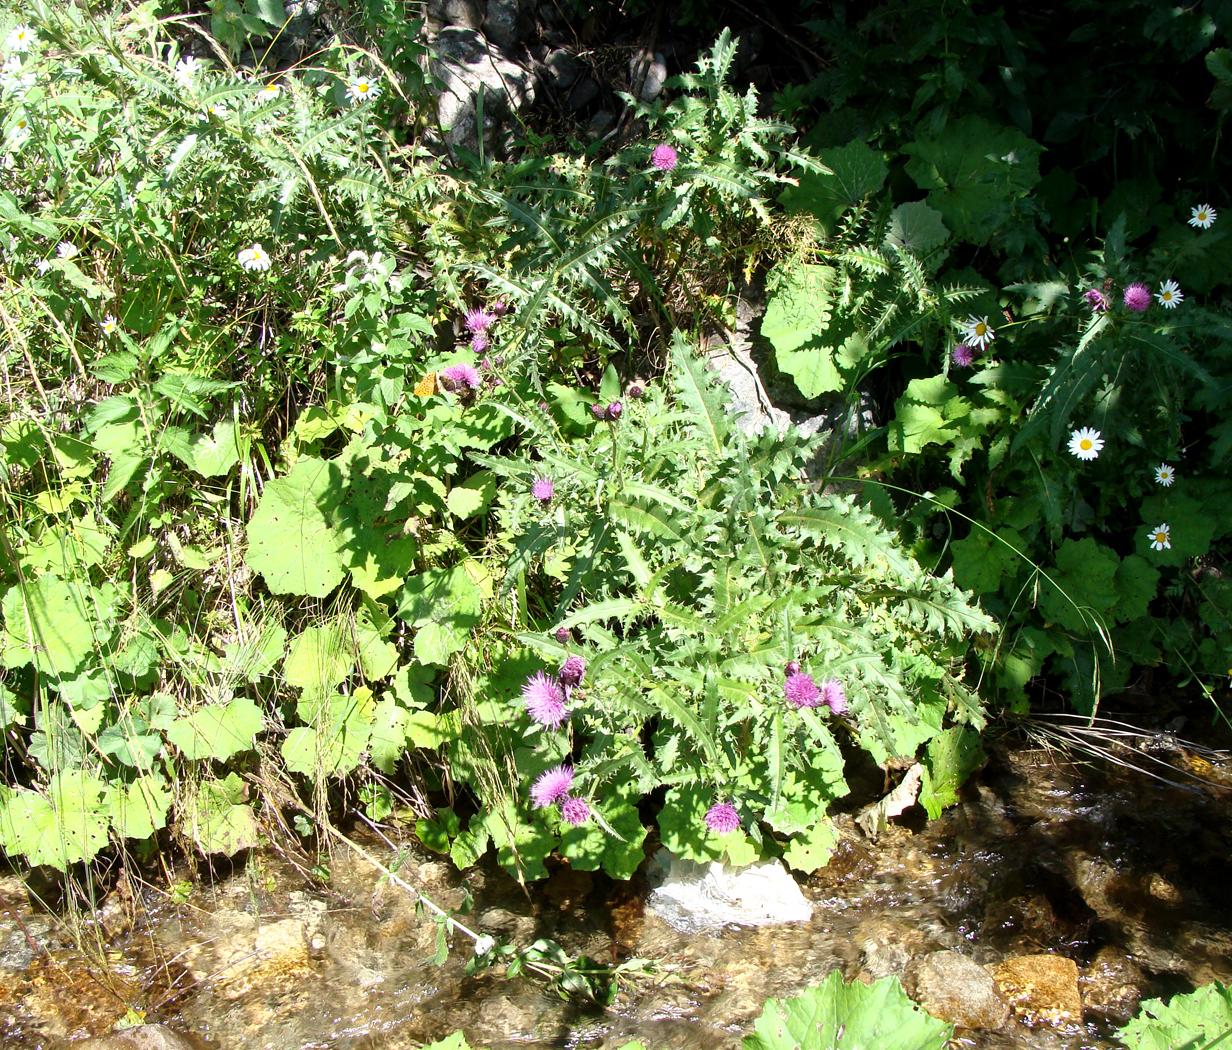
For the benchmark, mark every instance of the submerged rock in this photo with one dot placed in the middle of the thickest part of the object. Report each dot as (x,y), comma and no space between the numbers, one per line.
(143,1037)
(1041,988)
(1112,986)
(957,989)
(695,898)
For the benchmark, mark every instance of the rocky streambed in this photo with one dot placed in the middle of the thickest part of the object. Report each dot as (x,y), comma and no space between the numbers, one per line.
(1037,913)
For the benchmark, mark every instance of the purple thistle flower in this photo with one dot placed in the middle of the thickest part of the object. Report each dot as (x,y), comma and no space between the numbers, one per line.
(801,690)
(793,667)
(552,786)
(500,308)
(1097,300)
(562,634)
(598,411)
(1137,297)
(575,810)
(663,157)
(722,818)
(572,671)
(480,342)
(454,377)
(636,390)
(545,700)
(542,489)
(833,696)
(614,411)
(478,320)
(962,355)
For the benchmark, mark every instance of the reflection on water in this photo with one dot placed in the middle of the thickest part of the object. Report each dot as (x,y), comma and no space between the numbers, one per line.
(1121,874)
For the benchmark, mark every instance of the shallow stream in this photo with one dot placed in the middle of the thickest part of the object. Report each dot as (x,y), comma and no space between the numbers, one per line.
(1126,876)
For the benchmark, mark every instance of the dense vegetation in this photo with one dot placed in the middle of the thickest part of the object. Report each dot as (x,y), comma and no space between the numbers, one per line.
(343,470)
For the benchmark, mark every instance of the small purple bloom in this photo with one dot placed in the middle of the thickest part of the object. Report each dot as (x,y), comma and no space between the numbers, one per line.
(1137,297)
(572,671)
(793,667)
(833,696)
(614,411)
(544,406)
(552,786)
(478,320)
(454,377)
(663,157)
(480,342)
(1097,300)
(562,634)
(636,391)
(542,489)
(598,411)
(801,690)
(575,810)
(962,355)
(722,818)
(500,308)
(545,700)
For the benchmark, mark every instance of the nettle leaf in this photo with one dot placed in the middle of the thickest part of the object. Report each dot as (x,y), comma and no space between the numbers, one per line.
(217,819)
(521,845)
(812,849)
(65,826)
(975,172)
(1083,584)
(319,658)
(834,1013)
(589,846)
(218,731)
(856,171)
(797,313)
(291,541)
(51,623)
(1193,1021)
(929,412)
(916,227)
(952,756)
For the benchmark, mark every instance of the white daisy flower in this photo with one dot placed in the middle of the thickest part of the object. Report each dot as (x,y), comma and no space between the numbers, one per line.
(19,133)
(20,38)
(254,258)
(1165,475)
(42,266)
(217,110)
(1161,537)
(12,80)
(1170,295)
(362,89)
(269,92)
(108,325)
(976,331)
(186,70)
(67,250)
(1202,217)
(1085,443)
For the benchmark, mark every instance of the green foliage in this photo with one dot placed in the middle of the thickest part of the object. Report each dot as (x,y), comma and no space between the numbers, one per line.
(1199,1019)
(855,1014)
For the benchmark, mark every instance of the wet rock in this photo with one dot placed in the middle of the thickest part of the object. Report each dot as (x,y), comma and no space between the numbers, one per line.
(1029,919)
(957,989)
(465,13)
(887,945)
(466,65)
(505,22)
(143,1037)
(1040,988)
(1162,890)
(695,897)
(1112,986)
(647,74)
(561,69)
(72,997)
(266,957)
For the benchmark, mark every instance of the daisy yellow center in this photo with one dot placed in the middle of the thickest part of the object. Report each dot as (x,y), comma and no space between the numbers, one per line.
(1165,473)
(362,87)
(1086,444)
(1167,296)
(1202,216)
(981,328)
(1160,537)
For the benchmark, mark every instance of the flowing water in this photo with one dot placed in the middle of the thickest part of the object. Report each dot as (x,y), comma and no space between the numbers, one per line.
(1126,876)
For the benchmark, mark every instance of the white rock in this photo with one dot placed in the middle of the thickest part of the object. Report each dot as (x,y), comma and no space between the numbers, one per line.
(699,897)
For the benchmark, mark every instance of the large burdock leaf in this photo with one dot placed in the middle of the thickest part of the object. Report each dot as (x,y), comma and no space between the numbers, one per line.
(856,1015)
(66,825)
(1198,1019)
(797,314)
(217,731)
(50,623)
(291,541)
(217,819)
